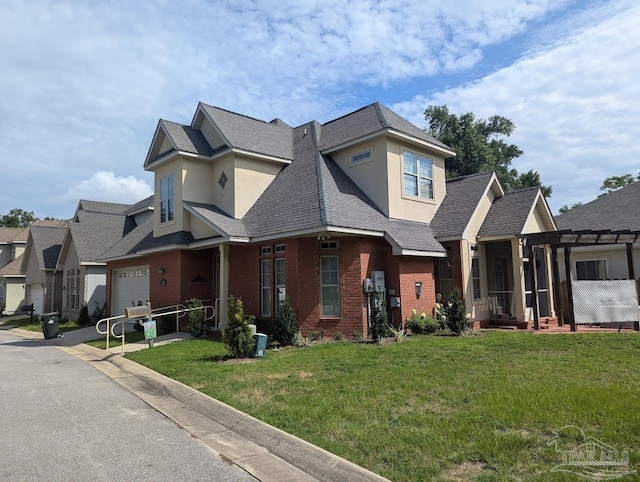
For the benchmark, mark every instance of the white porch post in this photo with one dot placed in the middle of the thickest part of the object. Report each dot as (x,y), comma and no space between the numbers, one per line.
(223,307)
(518,280)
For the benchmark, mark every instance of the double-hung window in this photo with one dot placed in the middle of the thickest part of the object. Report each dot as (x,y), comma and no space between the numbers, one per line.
(167,200)
(265,283)
(330,286)
(417,175)
(475,276)
(594,270)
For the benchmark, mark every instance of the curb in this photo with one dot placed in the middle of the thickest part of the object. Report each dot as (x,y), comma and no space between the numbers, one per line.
(264,451)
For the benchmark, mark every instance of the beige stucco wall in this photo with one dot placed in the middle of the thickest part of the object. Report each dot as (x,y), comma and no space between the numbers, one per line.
(369,175)
(538,221)
(5,254)
(615,256)
(250,179)
(19,249)
(14,294)
(174,167)
(211,134)
(198,229)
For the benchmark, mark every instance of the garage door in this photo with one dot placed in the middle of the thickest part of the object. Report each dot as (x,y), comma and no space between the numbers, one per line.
(131,287)
(36,296)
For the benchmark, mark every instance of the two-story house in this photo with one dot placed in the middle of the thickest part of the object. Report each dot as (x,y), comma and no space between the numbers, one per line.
(94,228)
(12,245)
(260,209)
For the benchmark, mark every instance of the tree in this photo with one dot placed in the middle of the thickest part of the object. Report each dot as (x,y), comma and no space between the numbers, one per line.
(480,147)
(566,208)
(614,183)
(17,218)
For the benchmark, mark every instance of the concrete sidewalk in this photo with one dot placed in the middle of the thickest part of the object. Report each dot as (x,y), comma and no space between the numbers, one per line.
(267,453)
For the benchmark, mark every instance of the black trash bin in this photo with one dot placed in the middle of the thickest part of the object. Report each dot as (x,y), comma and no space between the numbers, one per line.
(49,324)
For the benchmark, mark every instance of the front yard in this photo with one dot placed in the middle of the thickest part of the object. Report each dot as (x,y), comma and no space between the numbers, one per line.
(433,408)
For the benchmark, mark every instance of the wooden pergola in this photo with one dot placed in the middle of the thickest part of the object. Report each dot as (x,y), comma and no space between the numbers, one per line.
(565,240)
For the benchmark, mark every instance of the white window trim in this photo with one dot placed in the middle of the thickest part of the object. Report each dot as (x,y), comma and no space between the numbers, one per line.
(418,177)
(161,200)
(607,266)
(322,285)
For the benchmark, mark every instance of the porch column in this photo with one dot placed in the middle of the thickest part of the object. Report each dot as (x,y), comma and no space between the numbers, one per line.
(555,269)
(223,282)
(519,297)
(567,270)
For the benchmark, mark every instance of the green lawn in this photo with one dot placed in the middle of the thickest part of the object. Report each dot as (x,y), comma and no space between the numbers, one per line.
(26,324)
(433,408)
(130,337)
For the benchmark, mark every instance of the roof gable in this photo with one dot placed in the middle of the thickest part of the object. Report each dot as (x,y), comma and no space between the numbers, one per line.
(461,203)
(171,136)
(46,242)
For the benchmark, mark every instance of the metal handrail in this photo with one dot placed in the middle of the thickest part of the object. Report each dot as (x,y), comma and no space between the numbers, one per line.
(108,330)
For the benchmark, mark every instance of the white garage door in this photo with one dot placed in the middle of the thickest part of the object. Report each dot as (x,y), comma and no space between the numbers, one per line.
(36,296)
(131,287)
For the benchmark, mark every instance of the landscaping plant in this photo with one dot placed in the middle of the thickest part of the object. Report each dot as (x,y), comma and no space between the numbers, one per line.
(83,315)
(286,325)
(197,325)
(456,313)
(379,328)
(237,336)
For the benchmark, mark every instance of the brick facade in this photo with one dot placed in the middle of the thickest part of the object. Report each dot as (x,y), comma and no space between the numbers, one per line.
(189,274)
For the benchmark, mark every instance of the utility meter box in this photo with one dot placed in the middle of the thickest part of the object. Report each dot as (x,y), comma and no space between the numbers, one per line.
(395,302)
(368,286)
(378,280)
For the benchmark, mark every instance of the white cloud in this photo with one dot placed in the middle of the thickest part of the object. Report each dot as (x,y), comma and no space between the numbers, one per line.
(106,186)
(575,107)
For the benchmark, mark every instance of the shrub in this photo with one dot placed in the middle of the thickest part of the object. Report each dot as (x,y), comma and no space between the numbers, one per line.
(456,313)
(83,315)
(421,323)
(98,312)
(237,336)
(316,335)
(300,340)
(379,322)
(357,336)
(167,324)
(197,325)
(338,336)
(399,334)
(286,325)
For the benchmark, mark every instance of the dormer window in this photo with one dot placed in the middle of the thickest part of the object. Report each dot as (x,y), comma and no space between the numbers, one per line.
(418,175)
(167,199)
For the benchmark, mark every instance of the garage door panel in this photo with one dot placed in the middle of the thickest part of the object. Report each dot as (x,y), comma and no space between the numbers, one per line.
(131,287)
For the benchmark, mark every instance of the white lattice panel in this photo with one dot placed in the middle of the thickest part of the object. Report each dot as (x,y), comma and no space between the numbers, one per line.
(605,301)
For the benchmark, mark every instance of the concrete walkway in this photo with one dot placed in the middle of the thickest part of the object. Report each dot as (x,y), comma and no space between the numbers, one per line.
(267,453)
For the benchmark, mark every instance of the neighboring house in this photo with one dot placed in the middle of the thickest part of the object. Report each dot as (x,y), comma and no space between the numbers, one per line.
(615,211)
(95,227)
(260,209)
(43,281)
(12,245)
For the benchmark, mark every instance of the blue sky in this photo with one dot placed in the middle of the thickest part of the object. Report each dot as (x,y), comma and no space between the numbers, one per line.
(84,83)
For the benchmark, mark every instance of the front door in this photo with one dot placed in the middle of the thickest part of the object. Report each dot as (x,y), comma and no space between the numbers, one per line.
(500,278)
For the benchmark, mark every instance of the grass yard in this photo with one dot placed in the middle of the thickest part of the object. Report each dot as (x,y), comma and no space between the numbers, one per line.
(130,337)
(26,324)
(433,408)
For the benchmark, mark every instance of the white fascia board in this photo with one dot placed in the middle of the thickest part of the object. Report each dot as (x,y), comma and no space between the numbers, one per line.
(92,263)
(211,242)
(421,142)
(446,239)
(161,249)
(202,218)
(498,237)
(213,124)
(493,181)
(13,276)
(424,254)
(264,157)
(360,232)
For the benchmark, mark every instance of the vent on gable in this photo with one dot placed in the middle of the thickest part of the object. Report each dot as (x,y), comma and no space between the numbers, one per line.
(361,157)
(222,180)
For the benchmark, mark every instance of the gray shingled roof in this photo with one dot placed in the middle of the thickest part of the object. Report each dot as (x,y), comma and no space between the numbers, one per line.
(463,195)
(13,268)
(616,211)
(11,235)
(141,239)
(187,139)
(368,120)
(102,207)
(94,233)
(509,213)
(47,241)
(224,223)
(243,132)
(145,204)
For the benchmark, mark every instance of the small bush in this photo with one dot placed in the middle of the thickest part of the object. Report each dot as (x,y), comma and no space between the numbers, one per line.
(316,335)
(421,323)
(358,337)
(379,321)
(167,324)
(300,340)
(286,325)
(197,325)
(457,313)
(399,334)
(98,312)
(237,336)
(338,336)
(83,315)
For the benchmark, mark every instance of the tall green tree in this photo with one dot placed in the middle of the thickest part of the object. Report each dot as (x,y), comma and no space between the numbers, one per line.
(480,146)
(566,207)
(614,183)
(17,218)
